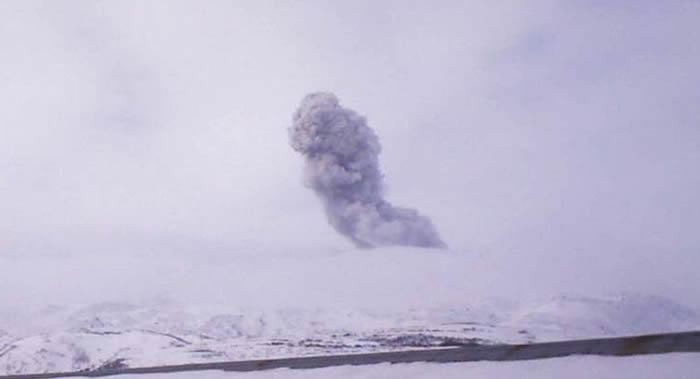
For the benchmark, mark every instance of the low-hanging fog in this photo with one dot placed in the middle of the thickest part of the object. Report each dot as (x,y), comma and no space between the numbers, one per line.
(143,147)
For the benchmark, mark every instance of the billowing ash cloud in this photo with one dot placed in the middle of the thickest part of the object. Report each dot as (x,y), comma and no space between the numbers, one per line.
(342,167)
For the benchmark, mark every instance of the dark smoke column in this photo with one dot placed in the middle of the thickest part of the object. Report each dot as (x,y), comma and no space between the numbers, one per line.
(342,167)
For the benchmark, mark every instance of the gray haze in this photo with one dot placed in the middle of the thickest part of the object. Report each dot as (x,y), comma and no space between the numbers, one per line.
(342,167)
(141,146)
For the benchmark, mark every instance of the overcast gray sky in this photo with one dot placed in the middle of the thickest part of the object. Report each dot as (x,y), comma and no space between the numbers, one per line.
(558,136)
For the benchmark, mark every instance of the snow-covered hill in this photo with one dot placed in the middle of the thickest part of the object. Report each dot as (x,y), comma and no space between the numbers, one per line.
(163,332)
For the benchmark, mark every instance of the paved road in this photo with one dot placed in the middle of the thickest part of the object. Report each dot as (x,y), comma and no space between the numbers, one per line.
(620,346)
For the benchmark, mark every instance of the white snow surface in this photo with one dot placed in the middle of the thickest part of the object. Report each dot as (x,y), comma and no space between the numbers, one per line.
(146,309)
(161,332)
(676,365)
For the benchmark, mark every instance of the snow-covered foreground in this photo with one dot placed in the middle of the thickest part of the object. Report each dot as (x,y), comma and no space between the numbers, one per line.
(148,309)
(676,365)
(165,333)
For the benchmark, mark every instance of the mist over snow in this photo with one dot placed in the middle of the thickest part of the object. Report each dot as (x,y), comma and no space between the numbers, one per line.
(144,153)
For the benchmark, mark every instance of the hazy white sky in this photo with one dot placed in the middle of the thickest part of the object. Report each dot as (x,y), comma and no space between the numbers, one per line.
(557,136)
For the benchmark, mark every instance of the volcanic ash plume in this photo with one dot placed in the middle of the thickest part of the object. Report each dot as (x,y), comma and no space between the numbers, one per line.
(342,167)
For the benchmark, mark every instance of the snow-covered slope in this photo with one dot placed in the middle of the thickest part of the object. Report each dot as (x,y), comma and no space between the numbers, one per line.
(577,317)
(163,332)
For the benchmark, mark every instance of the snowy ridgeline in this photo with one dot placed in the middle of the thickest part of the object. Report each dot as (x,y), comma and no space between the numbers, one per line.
(162,332)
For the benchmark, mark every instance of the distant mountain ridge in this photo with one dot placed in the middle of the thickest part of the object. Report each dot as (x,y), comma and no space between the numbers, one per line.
(162,332)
